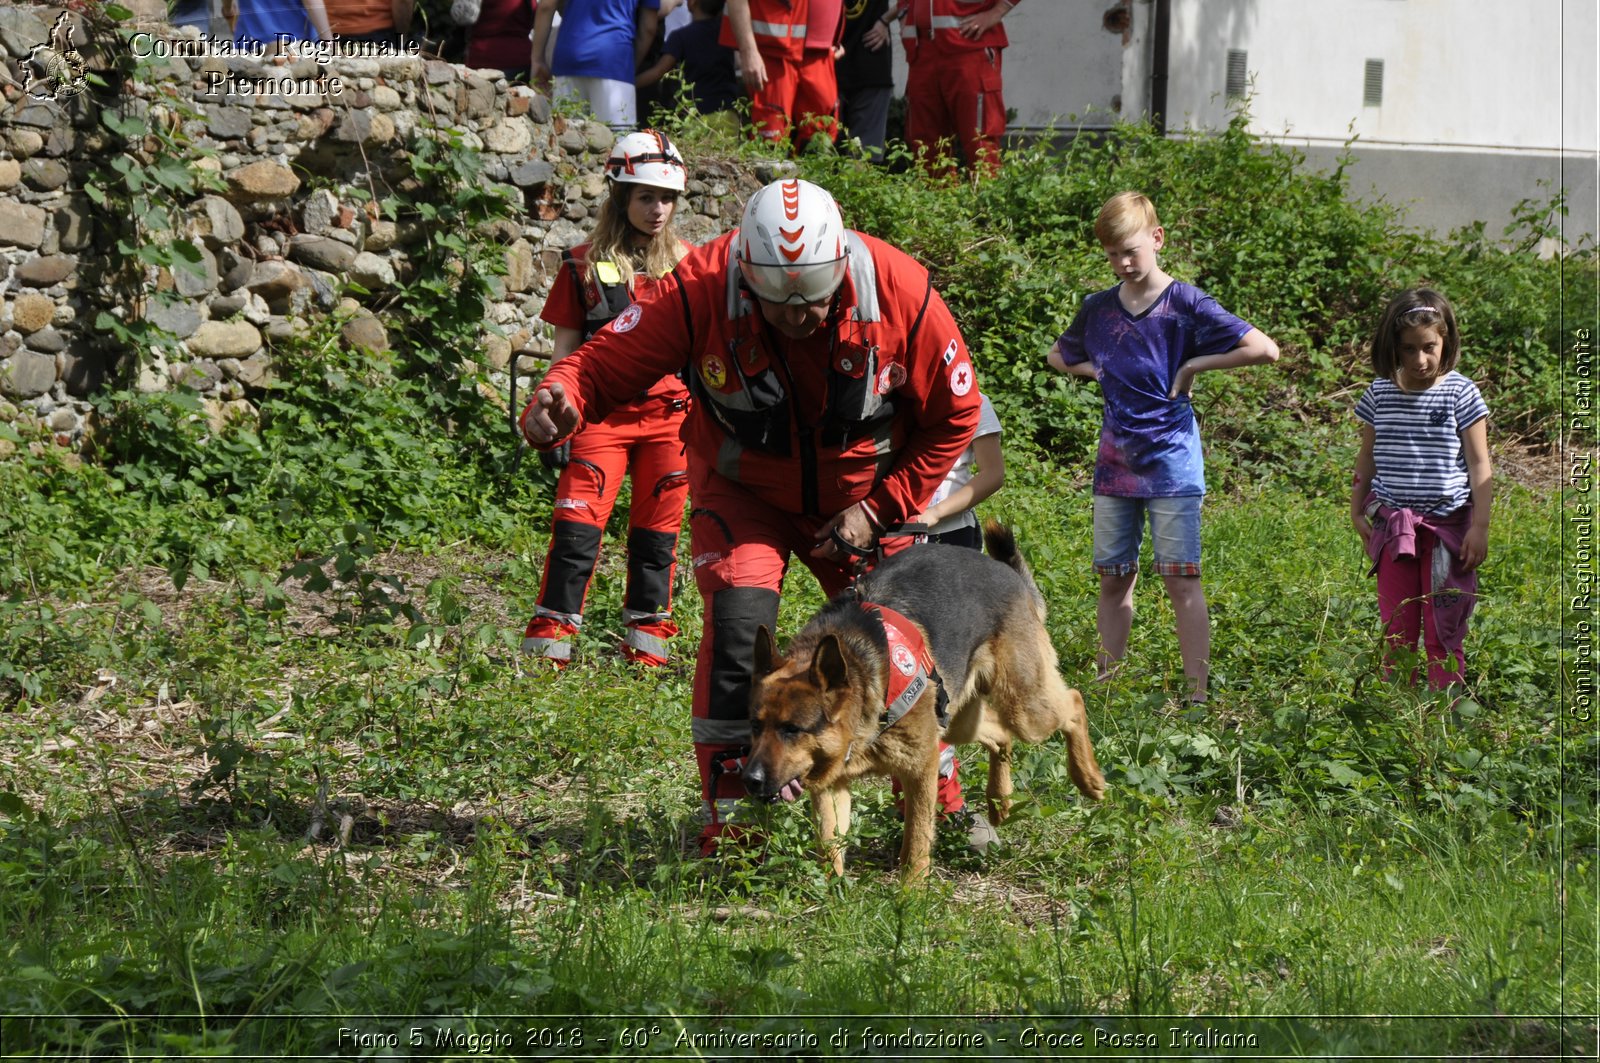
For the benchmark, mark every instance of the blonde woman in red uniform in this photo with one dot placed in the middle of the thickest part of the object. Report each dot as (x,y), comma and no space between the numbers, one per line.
(600,283)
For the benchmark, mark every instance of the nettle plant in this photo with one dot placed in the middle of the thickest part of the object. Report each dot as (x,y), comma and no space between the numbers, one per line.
(456,266)
(391,439)
(151,172)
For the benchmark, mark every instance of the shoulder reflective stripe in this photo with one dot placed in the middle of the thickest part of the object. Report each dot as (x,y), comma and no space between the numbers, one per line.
(863,278)
(776,29)
(575,619)
(550,649)
(717,732)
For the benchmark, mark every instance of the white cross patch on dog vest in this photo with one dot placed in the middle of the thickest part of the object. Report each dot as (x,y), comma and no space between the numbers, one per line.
(911,666)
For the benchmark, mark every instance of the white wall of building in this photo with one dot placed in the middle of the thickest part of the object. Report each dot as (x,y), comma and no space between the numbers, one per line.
(1480,74)
(1482,99)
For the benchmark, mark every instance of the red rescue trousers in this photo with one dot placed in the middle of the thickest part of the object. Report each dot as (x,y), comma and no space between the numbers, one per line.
(954,94)
(641,438)
(800,95)
(741,548)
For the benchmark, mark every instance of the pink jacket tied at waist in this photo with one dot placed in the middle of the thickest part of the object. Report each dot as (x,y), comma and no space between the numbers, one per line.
(1454,588)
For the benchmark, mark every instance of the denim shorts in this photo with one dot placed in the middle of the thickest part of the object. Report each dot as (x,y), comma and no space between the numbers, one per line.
(1174,534)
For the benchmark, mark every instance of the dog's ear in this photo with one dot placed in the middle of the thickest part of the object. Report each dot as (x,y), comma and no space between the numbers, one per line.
(766,651)
(828,668)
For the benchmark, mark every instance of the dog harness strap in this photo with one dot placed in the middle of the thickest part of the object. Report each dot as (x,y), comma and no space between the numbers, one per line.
(911,668)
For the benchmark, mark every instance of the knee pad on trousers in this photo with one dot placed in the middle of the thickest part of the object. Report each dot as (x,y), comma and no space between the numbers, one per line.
(573,550)
(651,557)
(736,612)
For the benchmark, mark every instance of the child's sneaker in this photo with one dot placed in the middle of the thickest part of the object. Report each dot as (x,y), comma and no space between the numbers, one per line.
(982,838)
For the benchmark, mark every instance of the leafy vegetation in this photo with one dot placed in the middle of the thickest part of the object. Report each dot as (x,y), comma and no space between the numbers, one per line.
(1285,249)
(269,752)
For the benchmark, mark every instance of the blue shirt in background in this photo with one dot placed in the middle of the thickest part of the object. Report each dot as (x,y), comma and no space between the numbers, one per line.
(1149,443)
(261,22)
(596,39)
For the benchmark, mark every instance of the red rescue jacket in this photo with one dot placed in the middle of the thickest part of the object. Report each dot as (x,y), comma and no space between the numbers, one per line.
(780,28)
(585,297)
(939,22)
(875,406)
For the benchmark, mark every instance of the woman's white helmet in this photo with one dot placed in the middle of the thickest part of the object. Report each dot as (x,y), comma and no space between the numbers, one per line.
(647,157)
(791,245)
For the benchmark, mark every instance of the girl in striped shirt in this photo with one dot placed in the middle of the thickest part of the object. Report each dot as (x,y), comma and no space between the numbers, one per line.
(1423,481)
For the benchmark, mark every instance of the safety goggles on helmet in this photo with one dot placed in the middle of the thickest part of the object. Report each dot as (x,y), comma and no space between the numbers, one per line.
(812,283)
(791,245)
(647,157)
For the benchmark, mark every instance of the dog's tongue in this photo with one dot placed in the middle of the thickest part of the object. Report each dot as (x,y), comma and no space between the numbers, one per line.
(791,790)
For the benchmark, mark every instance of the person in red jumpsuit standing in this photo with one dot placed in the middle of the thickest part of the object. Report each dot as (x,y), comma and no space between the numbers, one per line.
(786,56)
(833,392)
(953,90)
(633,245)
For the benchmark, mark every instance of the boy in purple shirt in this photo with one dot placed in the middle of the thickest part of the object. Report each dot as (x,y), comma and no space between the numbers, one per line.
(1144,340)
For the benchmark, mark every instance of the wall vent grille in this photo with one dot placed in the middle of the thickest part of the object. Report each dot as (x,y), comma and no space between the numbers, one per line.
(1238,73)
(1372,84)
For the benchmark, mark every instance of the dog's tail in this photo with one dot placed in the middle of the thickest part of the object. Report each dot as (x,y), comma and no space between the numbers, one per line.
(1001,545)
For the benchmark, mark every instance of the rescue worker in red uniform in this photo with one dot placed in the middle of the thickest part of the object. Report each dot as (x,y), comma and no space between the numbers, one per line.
(953,83)
(786,53)
(832,392)
(632,246)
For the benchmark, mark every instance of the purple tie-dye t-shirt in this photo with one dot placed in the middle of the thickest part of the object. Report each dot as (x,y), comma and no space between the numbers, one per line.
(1149,443)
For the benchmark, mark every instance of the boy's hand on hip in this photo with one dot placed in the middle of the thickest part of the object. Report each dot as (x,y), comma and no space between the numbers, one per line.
(1182,382)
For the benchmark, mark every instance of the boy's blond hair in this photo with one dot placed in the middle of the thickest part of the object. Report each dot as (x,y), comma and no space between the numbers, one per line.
(1124,214)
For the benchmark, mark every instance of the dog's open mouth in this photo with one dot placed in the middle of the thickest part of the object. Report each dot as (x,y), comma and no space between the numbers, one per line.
(790,790)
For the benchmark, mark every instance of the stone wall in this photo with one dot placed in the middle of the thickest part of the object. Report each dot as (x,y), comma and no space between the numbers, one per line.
(293,222)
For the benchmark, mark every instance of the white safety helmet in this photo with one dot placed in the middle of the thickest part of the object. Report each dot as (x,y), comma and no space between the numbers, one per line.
(647,157)
(791,245)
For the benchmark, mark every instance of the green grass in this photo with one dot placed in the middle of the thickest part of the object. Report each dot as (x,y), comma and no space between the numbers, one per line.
(274,779)
(238,815)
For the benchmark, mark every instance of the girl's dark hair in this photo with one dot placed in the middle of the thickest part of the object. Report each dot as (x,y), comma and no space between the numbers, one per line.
(1412,308)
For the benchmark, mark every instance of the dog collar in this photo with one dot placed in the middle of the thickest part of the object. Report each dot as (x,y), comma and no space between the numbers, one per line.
(910,670)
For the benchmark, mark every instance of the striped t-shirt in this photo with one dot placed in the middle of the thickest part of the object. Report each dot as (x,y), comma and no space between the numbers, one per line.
(1417,446)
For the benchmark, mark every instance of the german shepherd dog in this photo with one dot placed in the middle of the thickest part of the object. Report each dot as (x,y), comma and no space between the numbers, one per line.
(834,709)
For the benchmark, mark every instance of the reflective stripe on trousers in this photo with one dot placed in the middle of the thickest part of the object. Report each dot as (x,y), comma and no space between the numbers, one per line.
(549,649)
(645,642)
